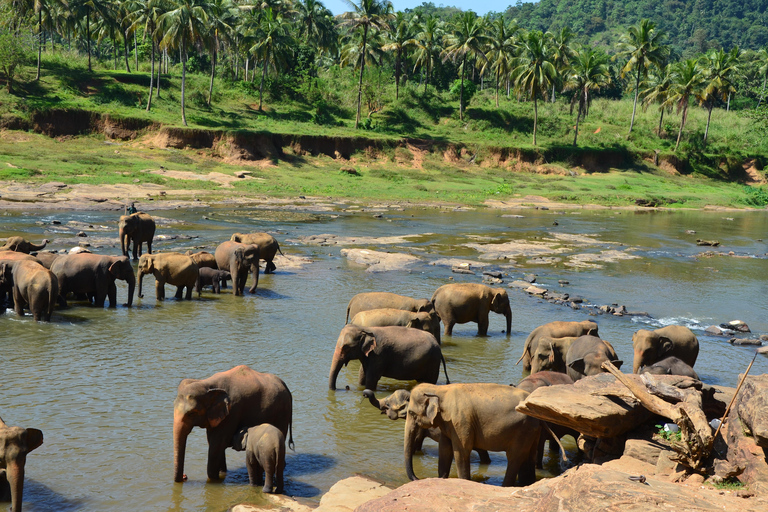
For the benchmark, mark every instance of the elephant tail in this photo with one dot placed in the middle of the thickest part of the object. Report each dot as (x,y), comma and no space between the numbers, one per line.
(290,436)
(346,321)
(279,250)
(445,371)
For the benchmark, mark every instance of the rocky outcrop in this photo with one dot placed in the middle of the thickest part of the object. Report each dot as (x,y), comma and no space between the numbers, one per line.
(753,408)
(378,261)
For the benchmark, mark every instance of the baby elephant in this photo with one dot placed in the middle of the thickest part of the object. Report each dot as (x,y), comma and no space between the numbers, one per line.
(670,366)
(264,447)
(216,279)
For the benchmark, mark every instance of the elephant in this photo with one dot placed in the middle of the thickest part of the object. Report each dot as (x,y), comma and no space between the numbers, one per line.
(239,259)
(46,258)
(395,406)
(672,340)
(15,444)
(203,259)
(670,366)
(556,329)
(395,352)
(19,244)
(33,285)
(216,279)
(93,274)
(474,416)
(533,382)
(587,354)
(459,303)
(428,322)
(268,247)
(264,447)
(385,300)
(168,267)
(138,228)
(6,287)
(223,404)
(549,354)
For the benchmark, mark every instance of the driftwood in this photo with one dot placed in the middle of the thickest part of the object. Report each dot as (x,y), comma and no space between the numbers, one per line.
(696,434)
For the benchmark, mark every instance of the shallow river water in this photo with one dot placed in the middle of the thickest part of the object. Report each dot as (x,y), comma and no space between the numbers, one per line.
(101,383)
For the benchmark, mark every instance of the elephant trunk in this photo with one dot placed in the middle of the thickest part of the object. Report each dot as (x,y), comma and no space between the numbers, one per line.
(181,430)
(140,278)
(371,396)
(412,430)
(33,247)
(508,315)
(15,473)
(637,362)
(336,365)
(131,280)
(123,236)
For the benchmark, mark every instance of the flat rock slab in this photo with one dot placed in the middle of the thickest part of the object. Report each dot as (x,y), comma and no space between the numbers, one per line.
(346,495)
(587,487)
(753,408)
(378,261)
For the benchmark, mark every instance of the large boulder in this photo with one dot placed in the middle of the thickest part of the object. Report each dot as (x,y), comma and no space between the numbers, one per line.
(753,408)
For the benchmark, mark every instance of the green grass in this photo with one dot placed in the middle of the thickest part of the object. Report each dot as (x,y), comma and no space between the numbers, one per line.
(730,484)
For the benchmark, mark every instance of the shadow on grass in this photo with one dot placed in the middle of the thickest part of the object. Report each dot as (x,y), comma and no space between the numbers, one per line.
(501,119)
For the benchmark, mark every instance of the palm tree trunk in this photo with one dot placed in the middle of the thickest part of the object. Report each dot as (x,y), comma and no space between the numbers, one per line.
(183,80)
(213,74)
(125,47)
(637,91)
(535,117)
(39,42)
(88,37)
(498,79)
(553,100)
(728,106)
(426,82)
(159,68)
(682,124)
(709,116)
(151,76)
(360,82)
(578,115)
(397,76)
(136,50)
(762,92)
(661,118)
(461,92)
(247,61)
(263,75)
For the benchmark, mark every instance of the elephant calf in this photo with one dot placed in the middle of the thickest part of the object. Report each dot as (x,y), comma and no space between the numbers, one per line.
(426,321)
(216,279)
(168,267)
(586,356)
(672,340)
(553,330)
(264,447)
(670,366)
(459,303)
(15,444)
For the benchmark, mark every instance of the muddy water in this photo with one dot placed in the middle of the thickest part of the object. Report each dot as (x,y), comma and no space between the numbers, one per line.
(101,383)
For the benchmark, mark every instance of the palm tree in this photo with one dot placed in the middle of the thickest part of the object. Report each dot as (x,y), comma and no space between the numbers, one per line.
(642,46)
(366,15)
(657,88)
(466,37)
(145,14)
(182,25)
(533,71)
(762,63)
(427,43)
(719,69)
(589,71)
(221,17)
(87,9)
(560,44)
(400,37)
(272,37)
(687,81)
(316,23)
(501,50)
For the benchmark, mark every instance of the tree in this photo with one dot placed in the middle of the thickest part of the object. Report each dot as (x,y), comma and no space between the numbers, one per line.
(182,25)
(221,17)
(366,15)
(400,38)
(87,9)
(15,49)
(144,14)
(533,71)
(589,71)
(657,86)
(466,37)
(719,68)
(501,50)
(427,43)
(762,64)
(687,81)
(642,46)
(316,23)
(271,38)
(560,44)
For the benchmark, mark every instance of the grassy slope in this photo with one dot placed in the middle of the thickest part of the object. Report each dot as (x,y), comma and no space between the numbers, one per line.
(392,175)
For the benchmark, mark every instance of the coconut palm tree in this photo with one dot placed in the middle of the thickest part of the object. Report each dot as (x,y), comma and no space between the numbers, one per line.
(221,16)
(719,68)
(365,16)
(428,45)
(589,72)
(144,14)
(762,68)
(466,36)
(687,82)
(656,89)
(182,25)
(533,71)
(399,36)
(501,47)
(271,39)
(88,9)
(316,23)
(643,47)
(562,53)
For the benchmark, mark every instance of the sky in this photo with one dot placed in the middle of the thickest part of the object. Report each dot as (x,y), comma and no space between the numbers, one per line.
(479,6)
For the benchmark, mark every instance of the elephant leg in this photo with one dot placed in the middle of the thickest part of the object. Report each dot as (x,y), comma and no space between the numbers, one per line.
(445,457)
(449,322)
(540,450)
(279,472)
(251,464)
(188,295)
(484,457)
(462,461)
(255,269)
(482,324)
(259,472)
(370,378)
(514,460)
(527,470)
(361,377)
(217,460)
(269,471)
(136,251)
(149,246)
(18,301)
(270,268)
(112,295)
(179,291)
(160,289)
(419,441)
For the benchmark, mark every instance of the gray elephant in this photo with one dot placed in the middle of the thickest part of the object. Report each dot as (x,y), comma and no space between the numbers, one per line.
(264,447)
(33,285)
(474,416)
(138,228)
(556,329)
(426,321)
(19,244)
(6,286)
(459,303)
(395,406)
(93,274)
(395,352)
(587,354)
(672,340)
(46,258)
(385,300)
(15,444)
(216,279)
(203,259)
(268,247)
(239,259)
(549,354)
(670,366)
(224,404)
(168,267)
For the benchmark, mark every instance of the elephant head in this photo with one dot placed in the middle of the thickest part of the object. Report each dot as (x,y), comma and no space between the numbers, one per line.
(354,343)
(196,405)
(121,268)
(549,354)
(146,266)
(395,406)
(423,412)
(426,321)
(15,444)
(19,244)
(586,356)
(649,347)
(245,257)
(425,306)
(240,440)
(500,305)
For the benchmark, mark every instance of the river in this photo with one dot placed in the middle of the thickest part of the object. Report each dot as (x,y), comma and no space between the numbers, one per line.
(101,383)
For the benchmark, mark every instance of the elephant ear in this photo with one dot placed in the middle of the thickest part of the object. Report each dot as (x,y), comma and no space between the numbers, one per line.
(114,269)
(240,440)
(369,343)
(617,363)
(665,347)
(34,438)
(218,407)
(578,365)
(433,408)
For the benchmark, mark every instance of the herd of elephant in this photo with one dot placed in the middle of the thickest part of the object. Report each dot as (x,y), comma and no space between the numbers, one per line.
(392,336)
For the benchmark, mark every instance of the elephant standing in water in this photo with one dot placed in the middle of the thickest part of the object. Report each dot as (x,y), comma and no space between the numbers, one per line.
(19,244)
(6,285)
(15,444)
(268,247)
(381,300)
(459,303)
(138,228)
(264,447)
(239,259)
(423,320)
(33,285)
(93,274)
(673,340)
(586,356)
(224,404)
(168,267)
(556,329)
